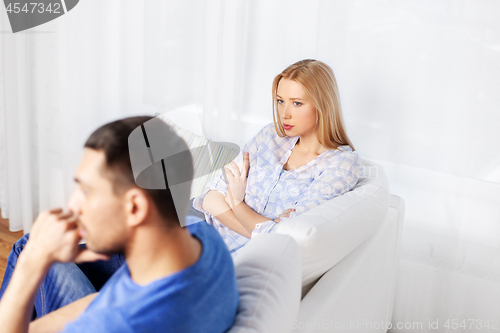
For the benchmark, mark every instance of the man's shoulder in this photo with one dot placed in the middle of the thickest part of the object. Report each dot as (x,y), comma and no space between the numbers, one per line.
(201,228)
(208,285)
(214,249)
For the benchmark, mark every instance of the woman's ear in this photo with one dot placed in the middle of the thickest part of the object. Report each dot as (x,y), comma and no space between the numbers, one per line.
(137,206)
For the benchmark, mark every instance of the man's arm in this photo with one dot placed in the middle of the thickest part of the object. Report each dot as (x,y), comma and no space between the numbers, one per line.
(56,320)
(53,238)
(16,306)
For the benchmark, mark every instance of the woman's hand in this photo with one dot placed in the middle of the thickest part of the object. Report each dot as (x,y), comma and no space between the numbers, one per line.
(286,213)
(237,180)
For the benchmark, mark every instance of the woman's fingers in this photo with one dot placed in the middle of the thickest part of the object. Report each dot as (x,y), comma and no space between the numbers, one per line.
(236,169)
(286,213)
(246,163)
(232,171)
(229,172)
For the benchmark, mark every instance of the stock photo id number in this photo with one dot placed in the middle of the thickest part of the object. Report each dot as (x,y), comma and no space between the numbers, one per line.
(25,15)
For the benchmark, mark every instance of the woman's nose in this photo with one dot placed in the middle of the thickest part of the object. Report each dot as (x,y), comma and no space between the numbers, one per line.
(286,112)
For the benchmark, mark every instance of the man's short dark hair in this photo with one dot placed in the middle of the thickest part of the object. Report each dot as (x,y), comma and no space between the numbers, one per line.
(112,139)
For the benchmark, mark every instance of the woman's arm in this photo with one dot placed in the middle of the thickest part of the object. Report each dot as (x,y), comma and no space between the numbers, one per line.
(248,217)
(215,204)
(241,219)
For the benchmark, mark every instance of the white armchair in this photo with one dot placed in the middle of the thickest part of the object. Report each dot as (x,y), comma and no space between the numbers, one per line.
(349,250)
(342,256)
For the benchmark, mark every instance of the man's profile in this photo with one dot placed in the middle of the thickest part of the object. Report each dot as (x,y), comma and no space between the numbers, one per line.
(170,278)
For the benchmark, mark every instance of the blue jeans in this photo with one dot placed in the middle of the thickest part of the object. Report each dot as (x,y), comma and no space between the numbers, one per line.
(65,282)
(68,282)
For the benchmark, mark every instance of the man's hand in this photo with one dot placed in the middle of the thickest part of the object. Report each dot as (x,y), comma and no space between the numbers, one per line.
(237,180)
(54,237)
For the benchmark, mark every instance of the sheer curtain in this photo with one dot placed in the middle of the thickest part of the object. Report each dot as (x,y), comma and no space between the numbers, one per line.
(418,82)
(60,81)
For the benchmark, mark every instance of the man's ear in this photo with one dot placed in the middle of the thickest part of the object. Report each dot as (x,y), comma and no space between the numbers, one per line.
(137,206)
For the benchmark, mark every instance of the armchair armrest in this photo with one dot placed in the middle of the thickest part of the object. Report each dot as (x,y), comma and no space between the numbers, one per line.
(329,232)
(357,294)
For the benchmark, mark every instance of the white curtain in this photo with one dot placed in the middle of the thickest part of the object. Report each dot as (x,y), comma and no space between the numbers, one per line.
(419,86)
(60,81)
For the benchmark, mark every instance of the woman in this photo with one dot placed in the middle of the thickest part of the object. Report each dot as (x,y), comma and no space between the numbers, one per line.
(292,165)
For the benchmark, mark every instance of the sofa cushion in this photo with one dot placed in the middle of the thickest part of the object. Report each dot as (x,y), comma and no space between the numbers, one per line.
(327,233)
(268,271)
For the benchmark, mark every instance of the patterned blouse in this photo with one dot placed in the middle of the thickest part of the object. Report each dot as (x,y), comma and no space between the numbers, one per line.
(271,189)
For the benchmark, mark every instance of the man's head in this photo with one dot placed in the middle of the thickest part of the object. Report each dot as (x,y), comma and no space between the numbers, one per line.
(107,198)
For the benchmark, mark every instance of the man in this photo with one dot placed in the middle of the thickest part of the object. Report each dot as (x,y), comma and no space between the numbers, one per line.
(174,279)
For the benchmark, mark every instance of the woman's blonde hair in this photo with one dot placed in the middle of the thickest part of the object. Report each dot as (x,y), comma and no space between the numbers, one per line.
(321,89)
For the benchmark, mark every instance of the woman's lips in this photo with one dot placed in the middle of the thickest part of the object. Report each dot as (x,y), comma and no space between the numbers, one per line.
(287,127)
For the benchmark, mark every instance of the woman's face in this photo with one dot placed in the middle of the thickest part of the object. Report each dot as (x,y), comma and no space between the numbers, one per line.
(295,110)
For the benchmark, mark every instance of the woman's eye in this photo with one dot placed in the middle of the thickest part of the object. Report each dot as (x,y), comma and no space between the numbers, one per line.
(280,101)
(297,103)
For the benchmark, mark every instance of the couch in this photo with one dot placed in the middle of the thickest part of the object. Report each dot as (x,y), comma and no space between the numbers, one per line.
(333,268)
